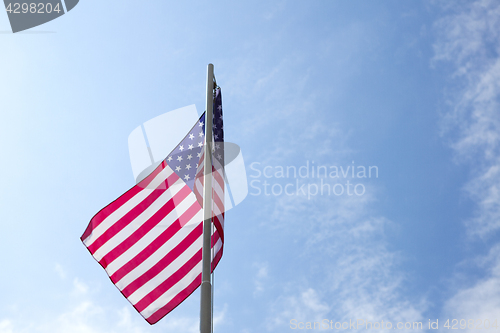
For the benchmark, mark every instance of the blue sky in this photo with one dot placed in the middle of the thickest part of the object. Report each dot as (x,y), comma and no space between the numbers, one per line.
(409,87)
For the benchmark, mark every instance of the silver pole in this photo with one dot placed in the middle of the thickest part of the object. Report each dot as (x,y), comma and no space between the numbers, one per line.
(206,287)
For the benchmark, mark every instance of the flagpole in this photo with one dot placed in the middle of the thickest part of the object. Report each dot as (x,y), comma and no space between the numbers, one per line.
(206,287)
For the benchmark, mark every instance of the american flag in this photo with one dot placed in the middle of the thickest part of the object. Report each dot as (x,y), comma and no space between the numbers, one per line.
(149,240)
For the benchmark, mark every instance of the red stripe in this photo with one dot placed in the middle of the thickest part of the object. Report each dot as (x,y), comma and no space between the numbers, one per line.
(164,262)
(218,226)
(169,282)
(178,299)
(216,259)
(120,201)
(157,243)
(131,215)
(154,220)
(215,237)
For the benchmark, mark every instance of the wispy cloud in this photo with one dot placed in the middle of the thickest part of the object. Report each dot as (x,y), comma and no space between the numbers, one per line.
(6,326)
(468,39)
(350,272)
(481,300)
(83,313)
(305,306)
(60,271)
(260,277)
(347,270)
(79,288)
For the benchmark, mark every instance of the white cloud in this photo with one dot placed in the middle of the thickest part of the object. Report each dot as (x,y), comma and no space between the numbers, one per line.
(220,317)
(306,306)
(6,326)
(346,267)
(482,299)
(468,39)
(182,324)
(60,271)
(79,288)
(350,272)
(86,316)
(79,319)
(262,269)
(83,312)
(484,189)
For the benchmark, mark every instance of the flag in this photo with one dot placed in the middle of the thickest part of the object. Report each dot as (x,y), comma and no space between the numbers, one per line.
(149,240)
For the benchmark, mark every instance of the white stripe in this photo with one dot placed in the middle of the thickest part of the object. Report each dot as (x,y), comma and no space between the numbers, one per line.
(172,292)
(125,208)
(167,272)
(154,233)
(159,254)
(142,218)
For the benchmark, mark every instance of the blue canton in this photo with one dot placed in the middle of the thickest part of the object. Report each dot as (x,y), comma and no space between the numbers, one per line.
(185,157)
(218,129)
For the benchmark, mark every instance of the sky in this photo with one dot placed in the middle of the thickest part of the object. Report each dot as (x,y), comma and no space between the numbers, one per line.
(408,90)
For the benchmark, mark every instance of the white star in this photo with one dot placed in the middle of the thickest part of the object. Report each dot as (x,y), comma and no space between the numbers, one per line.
(181,147)
(200,124)
(169,158)
(191,136)
(219,156)
(186,177)
(188,166)
(216,136)
(190,157)
(219,107)
(179,158)
(201,134)
(217,146)
(190,147)
(177,168)
(199,154)
(215,126)
(200,144)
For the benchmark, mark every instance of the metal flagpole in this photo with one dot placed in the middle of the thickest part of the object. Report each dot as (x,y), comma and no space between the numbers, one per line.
(206,287)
